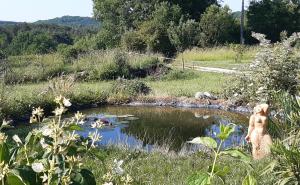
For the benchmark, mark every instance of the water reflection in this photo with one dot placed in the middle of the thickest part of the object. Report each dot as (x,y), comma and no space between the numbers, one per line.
(161,126)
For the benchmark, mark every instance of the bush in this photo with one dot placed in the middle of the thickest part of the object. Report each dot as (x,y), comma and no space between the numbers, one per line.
(133,41)
(274,69)
(123,90)
(179,75)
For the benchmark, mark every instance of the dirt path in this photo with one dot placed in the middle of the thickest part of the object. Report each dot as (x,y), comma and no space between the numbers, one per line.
(211,69)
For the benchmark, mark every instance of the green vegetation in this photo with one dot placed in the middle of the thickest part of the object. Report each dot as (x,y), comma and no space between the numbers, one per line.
(72,21)
(216,54)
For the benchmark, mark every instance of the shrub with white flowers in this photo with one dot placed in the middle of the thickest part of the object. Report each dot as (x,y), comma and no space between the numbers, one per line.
(275,68)
(50,155)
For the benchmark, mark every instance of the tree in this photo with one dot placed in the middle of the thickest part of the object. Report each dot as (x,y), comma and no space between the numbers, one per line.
(184,35)
(271,17)
(155,31)
(217,26)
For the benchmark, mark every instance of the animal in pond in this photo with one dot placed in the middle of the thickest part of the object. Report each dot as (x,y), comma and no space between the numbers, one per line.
(258,135)
(105,121)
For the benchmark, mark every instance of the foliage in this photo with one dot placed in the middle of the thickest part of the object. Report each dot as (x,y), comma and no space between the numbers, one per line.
(123,90)
(179,75)
(133,41)
(33,68)
(184,35)
(285,151)
(154,30)
(217,26)
(217,172)
(73,21)
(49,155)
(271,17)
(274,69)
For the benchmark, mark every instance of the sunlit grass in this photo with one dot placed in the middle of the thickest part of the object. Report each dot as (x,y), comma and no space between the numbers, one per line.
(216,54)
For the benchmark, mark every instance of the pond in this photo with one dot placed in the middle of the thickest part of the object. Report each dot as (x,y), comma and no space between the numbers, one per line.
(161,127)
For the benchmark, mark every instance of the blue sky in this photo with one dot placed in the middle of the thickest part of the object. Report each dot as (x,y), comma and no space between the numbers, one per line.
(33,10)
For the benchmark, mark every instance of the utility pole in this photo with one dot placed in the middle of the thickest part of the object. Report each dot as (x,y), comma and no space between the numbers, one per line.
(242,23)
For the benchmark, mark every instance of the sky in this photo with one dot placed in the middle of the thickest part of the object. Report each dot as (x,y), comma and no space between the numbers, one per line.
(34,10)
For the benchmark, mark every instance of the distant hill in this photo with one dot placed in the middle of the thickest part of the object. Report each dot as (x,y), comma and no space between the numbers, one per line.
(72,21)
(237,14)
(5,23)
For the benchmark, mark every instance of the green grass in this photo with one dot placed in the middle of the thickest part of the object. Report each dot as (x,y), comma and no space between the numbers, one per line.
(203,81)
(216,54)
(19,100)
(170,169)
(225,64)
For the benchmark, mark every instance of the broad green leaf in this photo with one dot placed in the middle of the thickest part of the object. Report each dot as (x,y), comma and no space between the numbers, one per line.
(84,177)
(225,131)
(249,180)
(27,175)
(13,155)
(4,153)
(199,178)
(207,141)
(73,127)
(13,179)
(237,154)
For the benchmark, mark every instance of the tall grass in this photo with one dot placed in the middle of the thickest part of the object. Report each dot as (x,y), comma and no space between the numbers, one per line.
(216,54)
(33,68)
(96,65)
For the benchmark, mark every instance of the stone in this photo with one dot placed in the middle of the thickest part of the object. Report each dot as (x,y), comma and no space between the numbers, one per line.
(205,95)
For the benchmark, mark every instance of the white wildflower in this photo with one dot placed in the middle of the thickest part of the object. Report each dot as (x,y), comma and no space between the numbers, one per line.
(97,124)
(17,139)
(38,111)
(3,170)
(47,131)
(44,177)
(3,137)
(66,102)
(117,167)
(59,111)
(43,143)
(37,167)
(108,183)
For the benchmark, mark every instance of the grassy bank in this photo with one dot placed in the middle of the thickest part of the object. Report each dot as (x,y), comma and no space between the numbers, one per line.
(18,100)
(158,168)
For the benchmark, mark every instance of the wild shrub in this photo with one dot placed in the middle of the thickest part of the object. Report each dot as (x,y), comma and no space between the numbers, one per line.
(274,69)
(179,75)
(50,155)
(123,90)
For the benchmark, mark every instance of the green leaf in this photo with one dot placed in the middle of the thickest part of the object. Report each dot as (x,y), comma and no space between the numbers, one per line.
(27,175)
(4,153)
(73,127)
(225,131)
(207,141)
(249,180)
(199,178)
(84,177)
(237,154)
(13,155)
(13,179)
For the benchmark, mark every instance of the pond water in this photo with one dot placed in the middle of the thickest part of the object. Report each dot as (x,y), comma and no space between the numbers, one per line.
(151,127)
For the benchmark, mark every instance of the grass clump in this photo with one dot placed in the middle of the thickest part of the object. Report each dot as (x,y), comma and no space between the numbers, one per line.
(216,54)
(179,75)
(123,90)
(33,68)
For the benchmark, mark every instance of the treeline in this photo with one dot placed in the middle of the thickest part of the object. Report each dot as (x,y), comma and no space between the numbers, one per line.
(170,26)
(163,26)
(26,38)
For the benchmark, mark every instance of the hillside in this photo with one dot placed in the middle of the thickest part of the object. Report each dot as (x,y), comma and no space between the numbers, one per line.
(71,21)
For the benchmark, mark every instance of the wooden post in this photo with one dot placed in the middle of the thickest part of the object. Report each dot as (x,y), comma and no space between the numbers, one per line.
(242,23)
